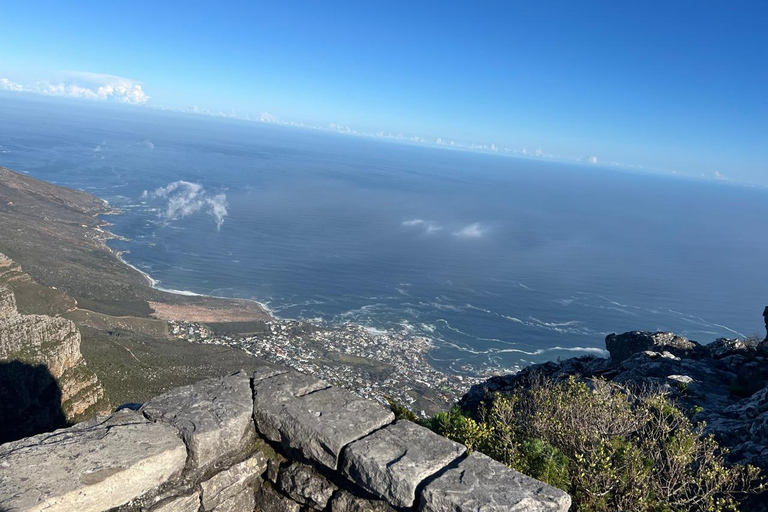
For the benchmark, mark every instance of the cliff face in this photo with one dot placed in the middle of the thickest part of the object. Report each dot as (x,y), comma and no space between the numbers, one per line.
(42,365)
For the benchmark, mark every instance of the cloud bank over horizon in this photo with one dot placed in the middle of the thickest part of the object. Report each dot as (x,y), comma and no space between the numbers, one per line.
(84,85)
(184,198)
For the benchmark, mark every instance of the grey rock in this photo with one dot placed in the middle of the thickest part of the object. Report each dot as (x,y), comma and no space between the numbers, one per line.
(273,470)
(623,346)
(189,503)
(480,484)
(269,500)
(321,424)
(305,414)
(680,380)
(233,481)
(765,317)
(723,347)
(344,501)
(306,486)
(93,466)
(270,393)
(7,302)
(395,460)
(245,501)
(266,371)
(213,416)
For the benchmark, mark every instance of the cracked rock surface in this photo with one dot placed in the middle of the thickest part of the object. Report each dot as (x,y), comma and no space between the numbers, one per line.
(395,460)
(93,466)
(481,483)
(213,416)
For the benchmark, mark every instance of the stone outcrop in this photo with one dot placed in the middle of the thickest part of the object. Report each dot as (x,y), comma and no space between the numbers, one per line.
(213,417)
(624,346)
(394,460)
(501,489)
(201,448)
(725,381)
(765,317)
(116,459)
(41,368)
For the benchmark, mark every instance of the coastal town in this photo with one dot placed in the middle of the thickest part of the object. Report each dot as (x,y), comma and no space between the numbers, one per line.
(379,365)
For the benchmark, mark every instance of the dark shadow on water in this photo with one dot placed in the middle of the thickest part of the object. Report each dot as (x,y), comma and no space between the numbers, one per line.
(30,401)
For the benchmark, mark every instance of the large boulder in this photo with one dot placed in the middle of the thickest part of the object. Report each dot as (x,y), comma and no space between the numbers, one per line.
(624,346)
(481,483)
(724,347)
(395,460)
(308,416)
(213,416)
(93,466)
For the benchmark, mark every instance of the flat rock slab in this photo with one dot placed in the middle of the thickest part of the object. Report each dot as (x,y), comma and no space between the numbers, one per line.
(480,484)
(392,462)
(213,416)
(243,502)
(321,424)
(307,415)
(93,466)
(233,481)
(189,503)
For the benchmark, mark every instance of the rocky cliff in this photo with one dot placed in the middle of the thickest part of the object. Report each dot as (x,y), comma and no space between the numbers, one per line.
(42,370)
(724,384)
(273,440)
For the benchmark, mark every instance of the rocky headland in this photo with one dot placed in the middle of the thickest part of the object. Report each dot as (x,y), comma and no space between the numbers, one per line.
(723,384)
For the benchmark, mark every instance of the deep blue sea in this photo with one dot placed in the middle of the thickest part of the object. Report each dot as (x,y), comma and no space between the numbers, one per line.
(501,262)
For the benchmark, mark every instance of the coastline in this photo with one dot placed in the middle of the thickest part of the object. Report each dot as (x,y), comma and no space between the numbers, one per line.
(375,363)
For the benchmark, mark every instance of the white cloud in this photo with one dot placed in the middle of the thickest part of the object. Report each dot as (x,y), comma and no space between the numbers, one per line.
(89,86)
(592,160)
(539,152)
(266,117)
(475,230)
(7,85)
(720,176)
(429,226)
(184,198)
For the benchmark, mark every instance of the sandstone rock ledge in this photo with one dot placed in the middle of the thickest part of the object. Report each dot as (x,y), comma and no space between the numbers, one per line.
(273,441)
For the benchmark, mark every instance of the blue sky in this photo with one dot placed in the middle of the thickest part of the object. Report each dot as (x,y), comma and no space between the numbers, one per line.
(668,86)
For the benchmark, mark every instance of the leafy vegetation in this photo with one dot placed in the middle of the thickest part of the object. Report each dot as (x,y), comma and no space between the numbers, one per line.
(609,447)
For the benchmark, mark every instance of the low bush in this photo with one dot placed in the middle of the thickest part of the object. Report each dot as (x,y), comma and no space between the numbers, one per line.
(611,448)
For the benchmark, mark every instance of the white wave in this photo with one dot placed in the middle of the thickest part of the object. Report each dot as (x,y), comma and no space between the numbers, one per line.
(186,293)
(428,327)
(470,306)
(374,330)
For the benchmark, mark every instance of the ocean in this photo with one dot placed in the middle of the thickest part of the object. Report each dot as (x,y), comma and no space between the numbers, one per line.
(500,262)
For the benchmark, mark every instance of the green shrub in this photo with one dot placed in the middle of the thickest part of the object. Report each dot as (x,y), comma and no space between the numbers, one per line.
(609,447)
